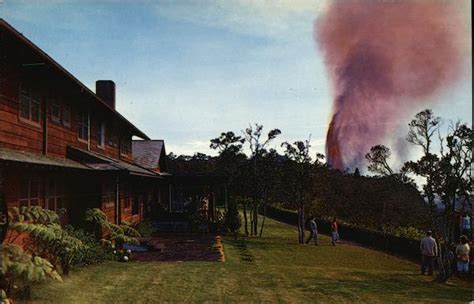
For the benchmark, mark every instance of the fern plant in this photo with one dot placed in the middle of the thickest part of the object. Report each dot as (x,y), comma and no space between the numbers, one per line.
(113,234)
(46,238)
(22,270)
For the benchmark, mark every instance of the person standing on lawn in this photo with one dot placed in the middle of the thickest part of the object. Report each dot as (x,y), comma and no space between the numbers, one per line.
(334,231)
(314,231)
(462,253)
(429,250)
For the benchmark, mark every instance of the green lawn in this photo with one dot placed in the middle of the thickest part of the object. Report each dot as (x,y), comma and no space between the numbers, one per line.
(273,268)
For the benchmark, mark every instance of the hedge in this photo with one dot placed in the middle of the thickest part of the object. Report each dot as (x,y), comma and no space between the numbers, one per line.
(400,246)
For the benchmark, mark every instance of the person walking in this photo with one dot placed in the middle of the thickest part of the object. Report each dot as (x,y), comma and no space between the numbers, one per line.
(334,231)
(429,250)
(314,231)
(462,253)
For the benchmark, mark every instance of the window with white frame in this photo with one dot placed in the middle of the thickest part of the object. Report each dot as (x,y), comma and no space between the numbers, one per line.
(108,194)
(101,135)
(29,194)
(30,105)
(55,110)
(66,116)
(54,195)
(83,126)
(125,146)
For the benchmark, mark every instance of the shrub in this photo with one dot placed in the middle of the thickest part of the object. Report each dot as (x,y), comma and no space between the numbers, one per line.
(113,234)
(404,232)
(145,228)
(46,238)
(218,224)
(232,220)
(95,252)
(20,271)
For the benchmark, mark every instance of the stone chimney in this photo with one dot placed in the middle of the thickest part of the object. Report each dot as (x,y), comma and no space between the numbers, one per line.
(105,89)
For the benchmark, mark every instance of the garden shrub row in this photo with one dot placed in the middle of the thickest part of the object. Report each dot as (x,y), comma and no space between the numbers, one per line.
(401,246)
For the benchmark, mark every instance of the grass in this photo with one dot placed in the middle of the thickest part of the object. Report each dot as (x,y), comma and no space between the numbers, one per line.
(269,269)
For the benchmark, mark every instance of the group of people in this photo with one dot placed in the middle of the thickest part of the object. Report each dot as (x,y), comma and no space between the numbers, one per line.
(428,248)
(429,252)
(314,232)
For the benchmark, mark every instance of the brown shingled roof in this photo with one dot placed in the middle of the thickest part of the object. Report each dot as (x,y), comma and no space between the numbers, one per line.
(38,159)
(147,153)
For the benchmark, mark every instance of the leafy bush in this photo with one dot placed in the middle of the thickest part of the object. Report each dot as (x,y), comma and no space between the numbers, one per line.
(20,271)
(218,224)
(46,238)
(113,234)
(232,220)
(198,217)
(405,232)
(145,228)
(95,252)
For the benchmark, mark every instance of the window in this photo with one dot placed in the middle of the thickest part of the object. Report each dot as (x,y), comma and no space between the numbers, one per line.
(66,116)
(127,199)
(108,194)
(83,127)
(125,146)
(101,135)
(55,111)
(29,192)
(54,195)
(112,139)
(136,204)
(29,104)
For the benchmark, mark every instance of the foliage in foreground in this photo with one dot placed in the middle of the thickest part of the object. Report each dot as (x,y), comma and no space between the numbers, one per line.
(46,250)
(93,252)
(113,234)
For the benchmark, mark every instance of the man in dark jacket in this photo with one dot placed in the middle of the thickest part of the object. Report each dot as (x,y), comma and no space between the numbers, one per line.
(314,231)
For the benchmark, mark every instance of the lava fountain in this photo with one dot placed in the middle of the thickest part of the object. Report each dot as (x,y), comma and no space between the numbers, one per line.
(384,57)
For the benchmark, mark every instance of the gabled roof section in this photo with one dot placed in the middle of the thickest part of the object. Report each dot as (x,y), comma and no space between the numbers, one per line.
(6,26)
(150,154)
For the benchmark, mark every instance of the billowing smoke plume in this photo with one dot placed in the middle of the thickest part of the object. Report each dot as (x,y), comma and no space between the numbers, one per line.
(384,57)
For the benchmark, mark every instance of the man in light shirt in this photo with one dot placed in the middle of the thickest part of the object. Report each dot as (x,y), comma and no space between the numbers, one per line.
(429,250)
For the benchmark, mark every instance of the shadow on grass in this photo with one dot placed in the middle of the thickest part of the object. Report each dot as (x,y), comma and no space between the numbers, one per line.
(244,254)
(398,284)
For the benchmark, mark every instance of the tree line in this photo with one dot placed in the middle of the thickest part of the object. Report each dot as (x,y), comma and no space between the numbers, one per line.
(299,180)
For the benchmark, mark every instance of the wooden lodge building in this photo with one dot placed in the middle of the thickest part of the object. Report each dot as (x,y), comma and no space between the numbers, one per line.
(64,146)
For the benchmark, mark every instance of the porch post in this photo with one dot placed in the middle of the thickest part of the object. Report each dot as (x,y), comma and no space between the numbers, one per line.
(117,201)
(169,198)
(225,196)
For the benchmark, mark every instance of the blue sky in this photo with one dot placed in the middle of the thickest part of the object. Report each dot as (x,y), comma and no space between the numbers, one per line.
(187,70)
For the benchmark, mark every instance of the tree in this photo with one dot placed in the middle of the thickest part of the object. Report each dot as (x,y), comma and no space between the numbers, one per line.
(232,163)
(421,132)
(448,177)
(378,160)
(257,146)
(300,185)
(232,221)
